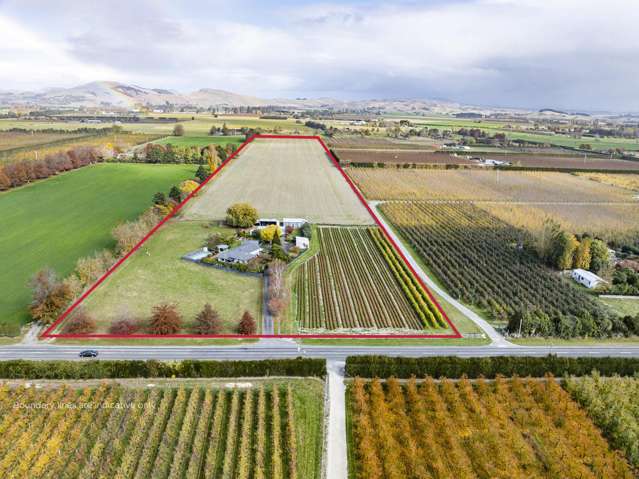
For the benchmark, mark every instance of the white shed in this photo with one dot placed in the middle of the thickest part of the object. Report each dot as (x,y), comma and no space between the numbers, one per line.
(293,223)
(301,242)
(587,278)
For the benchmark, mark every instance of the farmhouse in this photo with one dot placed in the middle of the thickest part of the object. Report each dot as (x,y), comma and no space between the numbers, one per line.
(242,254)
(588,279)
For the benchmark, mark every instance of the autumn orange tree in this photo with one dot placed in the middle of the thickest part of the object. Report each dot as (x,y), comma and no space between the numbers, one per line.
(207,321)
(247,325)
(165,319)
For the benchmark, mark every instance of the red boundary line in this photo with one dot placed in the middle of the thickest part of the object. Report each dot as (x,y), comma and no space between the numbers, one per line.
(48,332)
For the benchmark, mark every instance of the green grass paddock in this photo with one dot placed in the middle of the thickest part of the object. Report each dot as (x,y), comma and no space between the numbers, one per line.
(56,221)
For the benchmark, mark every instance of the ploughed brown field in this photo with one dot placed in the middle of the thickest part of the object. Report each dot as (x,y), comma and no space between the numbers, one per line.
(389,156)
(400,156)
(381,143)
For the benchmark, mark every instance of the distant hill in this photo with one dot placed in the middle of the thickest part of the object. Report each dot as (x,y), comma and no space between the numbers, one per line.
(115,95)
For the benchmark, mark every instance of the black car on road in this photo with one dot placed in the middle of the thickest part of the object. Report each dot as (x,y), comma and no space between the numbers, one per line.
(89,353)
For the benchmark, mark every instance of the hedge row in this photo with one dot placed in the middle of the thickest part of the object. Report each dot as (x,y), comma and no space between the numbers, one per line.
(488,367)
(22,369)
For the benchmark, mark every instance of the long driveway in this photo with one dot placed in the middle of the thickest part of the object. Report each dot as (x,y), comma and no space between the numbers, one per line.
(496,338)
(336,451)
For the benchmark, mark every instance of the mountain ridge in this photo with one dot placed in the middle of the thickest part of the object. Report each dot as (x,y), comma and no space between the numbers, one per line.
(123,96)
(118,95)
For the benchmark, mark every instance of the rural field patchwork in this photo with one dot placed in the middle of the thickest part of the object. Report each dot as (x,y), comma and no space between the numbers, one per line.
(58,220)
(390,157)
(282,178)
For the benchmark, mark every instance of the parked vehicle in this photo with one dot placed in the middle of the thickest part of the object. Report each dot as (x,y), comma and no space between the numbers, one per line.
(89,353)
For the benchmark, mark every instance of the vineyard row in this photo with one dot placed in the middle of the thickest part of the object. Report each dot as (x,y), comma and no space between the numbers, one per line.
(137,433)
(357,281)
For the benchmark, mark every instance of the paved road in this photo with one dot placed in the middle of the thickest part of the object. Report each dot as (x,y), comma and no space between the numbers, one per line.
(288,349)
(496,338)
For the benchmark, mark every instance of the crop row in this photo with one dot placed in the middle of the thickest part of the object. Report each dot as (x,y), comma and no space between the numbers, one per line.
(353,283)
(121,433)
(507,429)
(483,261)
(419,299)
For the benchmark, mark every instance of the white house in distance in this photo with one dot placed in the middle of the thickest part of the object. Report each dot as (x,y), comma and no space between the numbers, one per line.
(301,242)
(588,279)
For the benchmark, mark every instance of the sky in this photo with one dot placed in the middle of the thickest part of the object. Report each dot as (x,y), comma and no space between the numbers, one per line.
(566,54)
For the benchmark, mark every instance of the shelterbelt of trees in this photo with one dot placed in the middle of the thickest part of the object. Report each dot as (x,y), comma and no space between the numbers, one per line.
(20,173)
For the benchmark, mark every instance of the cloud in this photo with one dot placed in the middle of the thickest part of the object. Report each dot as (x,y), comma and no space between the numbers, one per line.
(531,53)
(29,61)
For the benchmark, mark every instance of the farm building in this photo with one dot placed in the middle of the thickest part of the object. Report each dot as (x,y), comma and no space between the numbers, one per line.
(242,254)
(197,255)
(302,242)
(293,223)
(588,279)
(264,222)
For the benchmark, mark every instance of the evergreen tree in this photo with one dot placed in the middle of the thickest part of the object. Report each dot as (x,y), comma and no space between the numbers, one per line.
(202,174)
(159,198)
(175,194)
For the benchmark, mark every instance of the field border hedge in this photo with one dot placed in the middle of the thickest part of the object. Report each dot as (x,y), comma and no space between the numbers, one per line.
(487,367)
(113,369)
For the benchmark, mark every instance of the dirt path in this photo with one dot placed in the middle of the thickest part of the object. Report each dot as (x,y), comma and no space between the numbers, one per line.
(336,455)
(32,335)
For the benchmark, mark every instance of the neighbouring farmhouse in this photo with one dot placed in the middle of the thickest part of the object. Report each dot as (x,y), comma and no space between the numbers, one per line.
(301,242)
(242,254)
(587,278)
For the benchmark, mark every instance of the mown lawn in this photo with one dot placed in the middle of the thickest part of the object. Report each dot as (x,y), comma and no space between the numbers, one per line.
(623,306)
(56,221)
(157,274)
